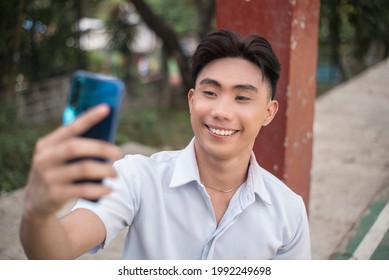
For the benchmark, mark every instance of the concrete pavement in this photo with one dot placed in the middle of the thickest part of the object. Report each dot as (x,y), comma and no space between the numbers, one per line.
(350,157)
(350,176)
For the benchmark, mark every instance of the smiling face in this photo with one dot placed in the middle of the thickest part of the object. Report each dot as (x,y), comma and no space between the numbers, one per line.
(229,105)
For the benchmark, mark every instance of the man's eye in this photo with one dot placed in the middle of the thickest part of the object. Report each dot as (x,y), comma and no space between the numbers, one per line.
(242,98)
(209,93)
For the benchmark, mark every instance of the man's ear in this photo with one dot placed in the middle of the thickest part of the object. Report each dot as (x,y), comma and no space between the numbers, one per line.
(190,98)
(271,111)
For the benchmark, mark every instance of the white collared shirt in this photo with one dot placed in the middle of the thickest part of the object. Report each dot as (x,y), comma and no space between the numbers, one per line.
(170,216)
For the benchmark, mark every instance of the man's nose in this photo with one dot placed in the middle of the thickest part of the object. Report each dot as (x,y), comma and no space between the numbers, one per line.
(222,109)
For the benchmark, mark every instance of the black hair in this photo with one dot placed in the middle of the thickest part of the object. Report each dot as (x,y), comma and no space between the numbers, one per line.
(226,43)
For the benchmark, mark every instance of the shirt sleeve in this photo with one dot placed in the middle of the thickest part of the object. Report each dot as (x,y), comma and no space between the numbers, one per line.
(116,210)
(299,248)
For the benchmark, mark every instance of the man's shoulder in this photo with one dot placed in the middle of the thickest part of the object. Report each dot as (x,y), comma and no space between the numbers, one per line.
(278,189)
(138,160)
(165,156)
(272,180)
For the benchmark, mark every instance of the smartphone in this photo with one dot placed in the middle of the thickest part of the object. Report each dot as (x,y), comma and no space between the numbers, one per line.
(88,90)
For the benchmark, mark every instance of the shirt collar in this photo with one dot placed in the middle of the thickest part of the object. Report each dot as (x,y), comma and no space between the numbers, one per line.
(255,182)
(185,169)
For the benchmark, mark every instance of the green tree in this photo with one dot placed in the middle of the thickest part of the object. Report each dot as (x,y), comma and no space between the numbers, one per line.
(171,19)
(370,19)
(121,30)
(40,40)
(355,33)
(11,18)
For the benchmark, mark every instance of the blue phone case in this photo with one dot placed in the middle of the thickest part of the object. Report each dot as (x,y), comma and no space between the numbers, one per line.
(88,90)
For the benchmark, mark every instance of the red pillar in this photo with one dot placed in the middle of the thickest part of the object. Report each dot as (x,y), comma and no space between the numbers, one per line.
(285,146)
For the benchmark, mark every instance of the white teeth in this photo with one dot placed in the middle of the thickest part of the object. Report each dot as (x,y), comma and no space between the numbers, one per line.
(222,132)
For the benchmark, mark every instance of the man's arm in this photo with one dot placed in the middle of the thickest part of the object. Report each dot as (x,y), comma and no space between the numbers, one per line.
(51,183)
(66,238)
(299,247)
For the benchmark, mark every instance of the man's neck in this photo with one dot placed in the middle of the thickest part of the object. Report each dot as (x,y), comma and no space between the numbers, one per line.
(222,174)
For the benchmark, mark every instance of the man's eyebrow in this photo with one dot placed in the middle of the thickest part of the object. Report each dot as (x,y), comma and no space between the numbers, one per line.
(208,81)
(247,87)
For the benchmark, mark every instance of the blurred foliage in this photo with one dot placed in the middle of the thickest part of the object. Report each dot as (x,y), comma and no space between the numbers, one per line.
(353,35)
(43,31)
(155,127)
(179,15)
(41,38)
(16,146)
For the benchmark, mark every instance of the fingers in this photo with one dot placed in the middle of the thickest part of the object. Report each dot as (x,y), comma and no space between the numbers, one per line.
(57,195)
(76,148)
(48,189)
(54,170)
(79,170)
(80,125)
(57,174)
(84,147)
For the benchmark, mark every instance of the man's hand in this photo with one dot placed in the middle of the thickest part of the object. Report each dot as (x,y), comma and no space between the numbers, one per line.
(52,177)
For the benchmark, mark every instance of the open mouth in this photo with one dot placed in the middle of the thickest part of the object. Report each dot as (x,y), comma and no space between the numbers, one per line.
(222,132)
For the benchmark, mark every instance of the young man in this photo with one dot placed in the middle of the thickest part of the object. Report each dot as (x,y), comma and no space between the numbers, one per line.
(210,200)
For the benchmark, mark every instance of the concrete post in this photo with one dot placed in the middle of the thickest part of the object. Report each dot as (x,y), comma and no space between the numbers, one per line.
(285,147)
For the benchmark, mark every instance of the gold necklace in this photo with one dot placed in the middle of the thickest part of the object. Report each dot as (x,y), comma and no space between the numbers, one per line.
(223,191)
